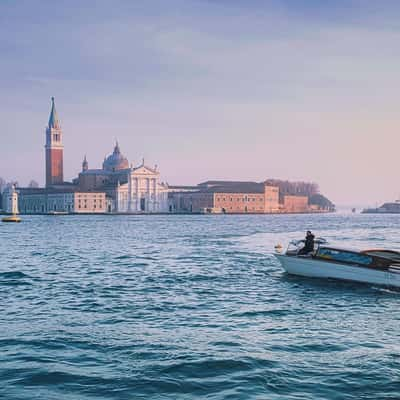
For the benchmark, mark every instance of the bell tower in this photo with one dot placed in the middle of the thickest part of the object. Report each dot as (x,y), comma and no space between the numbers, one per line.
(54,149)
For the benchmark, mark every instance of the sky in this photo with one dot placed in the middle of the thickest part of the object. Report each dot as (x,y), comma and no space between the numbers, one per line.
(208,89)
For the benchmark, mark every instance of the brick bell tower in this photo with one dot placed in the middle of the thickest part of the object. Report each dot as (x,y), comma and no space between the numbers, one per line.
(54,149)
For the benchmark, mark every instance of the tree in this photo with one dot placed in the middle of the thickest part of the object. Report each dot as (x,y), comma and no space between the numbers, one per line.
(322,202)
(308,189)
(33,184)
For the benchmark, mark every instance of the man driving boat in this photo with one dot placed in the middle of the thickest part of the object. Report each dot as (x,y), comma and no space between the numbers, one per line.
(308,244)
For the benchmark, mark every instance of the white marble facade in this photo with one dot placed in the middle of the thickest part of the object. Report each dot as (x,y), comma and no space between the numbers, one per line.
(128,189)
(142,193)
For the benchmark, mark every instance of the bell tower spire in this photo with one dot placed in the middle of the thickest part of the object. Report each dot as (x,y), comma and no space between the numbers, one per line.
(54,149)
(85,164)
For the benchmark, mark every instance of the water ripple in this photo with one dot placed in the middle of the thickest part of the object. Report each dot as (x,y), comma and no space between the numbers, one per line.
(190,307)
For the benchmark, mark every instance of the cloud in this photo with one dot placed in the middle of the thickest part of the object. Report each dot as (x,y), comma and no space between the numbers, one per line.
(207,89)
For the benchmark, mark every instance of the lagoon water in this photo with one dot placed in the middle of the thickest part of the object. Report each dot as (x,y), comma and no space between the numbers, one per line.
(190,307)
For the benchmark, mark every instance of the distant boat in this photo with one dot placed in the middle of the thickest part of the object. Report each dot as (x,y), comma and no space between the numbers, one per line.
(353,210)
(380,267)
(57,213)
(387,208)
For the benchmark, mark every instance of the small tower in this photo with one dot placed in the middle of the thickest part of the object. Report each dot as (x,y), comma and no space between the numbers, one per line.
(85,164)
(54,149)
(10,201)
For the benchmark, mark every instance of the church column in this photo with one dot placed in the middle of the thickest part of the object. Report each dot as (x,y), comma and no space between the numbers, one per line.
(137,195)
(129,193)
(155,200)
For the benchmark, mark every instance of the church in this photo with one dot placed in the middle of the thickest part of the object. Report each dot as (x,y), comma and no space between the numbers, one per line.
(117,187)
(133,189)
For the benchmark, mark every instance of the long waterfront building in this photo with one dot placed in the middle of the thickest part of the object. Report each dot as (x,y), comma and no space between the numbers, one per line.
(231,197)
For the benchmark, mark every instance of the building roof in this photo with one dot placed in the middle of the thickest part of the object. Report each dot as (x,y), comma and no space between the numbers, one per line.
(54,122)
(47,190)
(236,187)
(105,172)
(222,187)
(183,187)
(44,191)
(94,171)
(226,183)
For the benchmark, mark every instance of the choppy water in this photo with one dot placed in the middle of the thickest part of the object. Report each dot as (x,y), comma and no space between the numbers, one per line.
(190,307)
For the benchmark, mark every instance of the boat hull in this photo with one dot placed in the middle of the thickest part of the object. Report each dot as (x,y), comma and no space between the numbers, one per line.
(319,269)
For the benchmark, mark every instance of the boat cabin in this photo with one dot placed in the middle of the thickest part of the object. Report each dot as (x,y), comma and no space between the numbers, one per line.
(377,259)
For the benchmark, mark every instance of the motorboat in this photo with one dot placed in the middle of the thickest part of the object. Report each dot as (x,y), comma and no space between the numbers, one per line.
(376,266)
(57,213)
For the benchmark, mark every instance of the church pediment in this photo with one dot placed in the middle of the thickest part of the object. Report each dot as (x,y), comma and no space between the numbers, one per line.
(143,170)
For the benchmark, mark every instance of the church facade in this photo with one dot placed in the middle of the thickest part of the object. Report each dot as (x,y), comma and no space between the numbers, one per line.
(133,189)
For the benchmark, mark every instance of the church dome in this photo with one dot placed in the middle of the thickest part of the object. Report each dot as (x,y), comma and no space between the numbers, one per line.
(115,161)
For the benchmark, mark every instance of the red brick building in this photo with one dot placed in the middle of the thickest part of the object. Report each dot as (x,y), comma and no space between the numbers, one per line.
(295,204)
(226,197)
(230,197)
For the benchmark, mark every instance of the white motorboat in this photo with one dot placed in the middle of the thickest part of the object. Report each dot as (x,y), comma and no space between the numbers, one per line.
(380,267)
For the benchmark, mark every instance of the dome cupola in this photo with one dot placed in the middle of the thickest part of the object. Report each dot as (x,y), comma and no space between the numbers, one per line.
(116,161)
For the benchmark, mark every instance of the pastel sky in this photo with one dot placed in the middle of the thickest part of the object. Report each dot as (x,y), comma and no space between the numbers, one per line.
(217,89)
